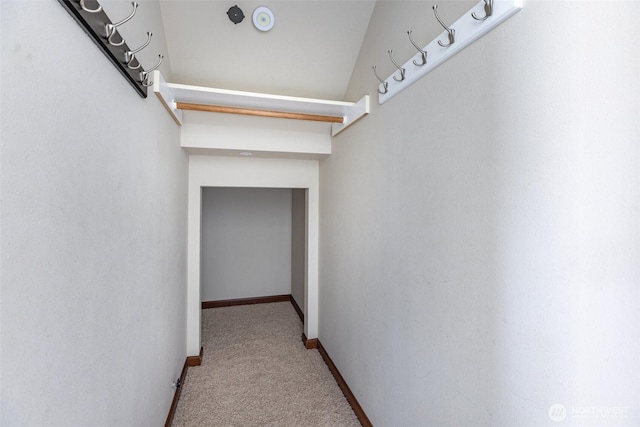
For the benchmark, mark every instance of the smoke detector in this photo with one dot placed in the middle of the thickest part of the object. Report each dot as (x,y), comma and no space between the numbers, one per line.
(235,14)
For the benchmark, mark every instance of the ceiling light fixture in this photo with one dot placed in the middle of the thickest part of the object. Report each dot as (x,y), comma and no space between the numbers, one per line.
(263,18)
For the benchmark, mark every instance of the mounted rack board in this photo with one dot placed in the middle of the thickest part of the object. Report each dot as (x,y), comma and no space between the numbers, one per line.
(178,97)
(467,30)
(95,22)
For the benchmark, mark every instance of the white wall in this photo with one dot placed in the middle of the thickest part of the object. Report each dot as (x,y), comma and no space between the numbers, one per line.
(208,171)
(298,244)
(246,242)
(480,233)
(227,134)
(93,227)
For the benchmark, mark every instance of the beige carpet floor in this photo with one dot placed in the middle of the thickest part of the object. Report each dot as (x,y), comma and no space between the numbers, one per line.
(256,372)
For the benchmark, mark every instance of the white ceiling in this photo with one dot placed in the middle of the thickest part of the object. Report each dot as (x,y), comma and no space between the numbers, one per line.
(310,52)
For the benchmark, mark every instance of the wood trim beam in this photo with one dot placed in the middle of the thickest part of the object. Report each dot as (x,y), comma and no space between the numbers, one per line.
(176,397)
(355,405)
(297,308)
(309,343)
(260,113)
(195,360)
(245,301)
(189,361)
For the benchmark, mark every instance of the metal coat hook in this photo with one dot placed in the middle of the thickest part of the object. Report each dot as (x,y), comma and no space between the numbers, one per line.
(402,70)
(92,17)
(129,55)
(423,53)
(111,28)
(130,62)
(451,31)
(488,11)
(384,84)
(86,9)
(144,75)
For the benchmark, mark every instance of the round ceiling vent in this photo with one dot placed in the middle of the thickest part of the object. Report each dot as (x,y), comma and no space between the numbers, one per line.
(235,14)
(263,18)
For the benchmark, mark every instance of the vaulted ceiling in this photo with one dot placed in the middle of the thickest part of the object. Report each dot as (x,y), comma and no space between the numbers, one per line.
(310,51)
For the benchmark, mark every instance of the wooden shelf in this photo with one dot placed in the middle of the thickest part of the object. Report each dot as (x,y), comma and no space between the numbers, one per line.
(237,102)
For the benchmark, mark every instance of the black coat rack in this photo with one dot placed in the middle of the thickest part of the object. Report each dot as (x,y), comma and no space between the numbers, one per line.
(91,17)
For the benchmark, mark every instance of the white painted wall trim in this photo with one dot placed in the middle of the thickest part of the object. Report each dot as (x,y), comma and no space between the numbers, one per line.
(209,171)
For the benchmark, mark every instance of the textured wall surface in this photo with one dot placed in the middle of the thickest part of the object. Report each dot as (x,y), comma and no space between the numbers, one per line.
(246,242)
(480,243)
(94,194)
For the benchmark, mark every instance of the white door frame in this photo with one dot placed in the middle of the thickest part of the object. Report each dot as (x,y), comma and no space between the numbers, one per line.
(213,171)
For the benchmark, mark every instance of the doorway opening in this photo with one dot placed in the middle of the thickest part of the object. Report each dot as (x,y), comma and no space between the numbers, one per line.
(253,246)
(213,171)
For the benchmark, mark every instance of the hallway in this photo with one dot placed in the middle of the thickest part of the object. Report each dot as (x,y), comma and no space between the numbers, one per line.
(471,244)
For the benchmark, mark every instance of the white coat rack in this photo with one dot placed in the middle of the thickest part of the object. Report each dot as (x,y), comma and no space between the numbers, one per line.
(478,21)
